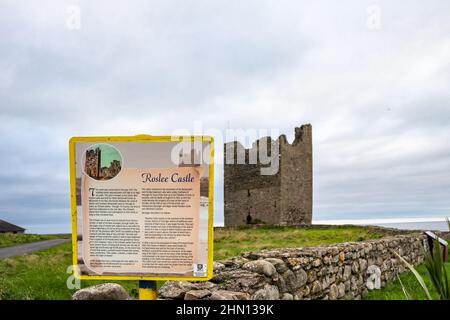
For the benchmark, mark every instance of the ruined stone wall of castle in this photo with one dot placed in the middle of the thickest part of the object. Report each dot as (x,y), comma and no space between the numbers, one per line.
(281,198)
(296,178)
(247,192)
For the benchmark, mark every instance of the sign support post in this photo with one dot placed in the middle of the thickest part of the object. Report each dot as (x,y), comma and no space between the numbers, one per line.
(147,290)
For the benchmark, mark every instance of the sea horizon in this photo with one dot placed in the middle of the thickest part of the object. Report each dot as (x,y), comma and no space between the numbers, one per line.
(424,224)
(427,223)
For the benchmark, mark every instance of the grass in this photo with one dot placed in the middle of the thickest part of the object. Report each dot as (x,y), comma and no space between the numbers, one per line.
(393,290)
(42,275)
(9,239)
(231,242)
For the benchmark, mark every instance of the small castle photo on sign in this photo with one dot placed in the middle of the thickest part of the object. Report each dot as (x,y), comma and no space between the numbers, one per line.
(102,162)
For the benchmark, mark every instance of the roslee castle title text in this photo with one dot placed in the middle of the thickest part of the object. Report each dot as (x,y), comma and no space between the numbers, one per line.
(174,177)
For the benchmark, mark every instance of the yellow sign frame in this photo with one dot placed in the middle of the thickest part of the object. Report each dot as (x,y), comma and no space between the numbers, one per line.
(140,138)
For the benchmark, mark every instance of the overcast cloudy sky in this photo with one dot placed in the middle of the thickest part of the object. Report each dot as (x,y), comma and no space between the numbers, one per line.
(372,77)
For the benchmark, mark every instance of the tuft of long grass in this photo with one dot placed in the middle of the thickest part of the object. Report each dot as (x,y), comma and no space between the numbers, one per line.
(405,292)
(418,277)
(434,263)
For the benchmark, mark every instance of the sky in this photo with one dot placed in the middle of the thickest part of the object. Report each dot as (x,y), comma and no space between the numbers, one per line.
(108,155)
(372,77)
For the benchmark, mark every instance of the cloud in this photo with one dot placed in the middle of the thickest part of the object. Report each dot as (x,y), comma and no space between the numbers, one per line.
(377,99)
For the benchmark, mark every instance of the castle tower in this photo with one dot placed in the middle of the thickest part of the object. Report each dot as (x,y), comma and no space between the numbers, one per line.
(93,162)
(282,198)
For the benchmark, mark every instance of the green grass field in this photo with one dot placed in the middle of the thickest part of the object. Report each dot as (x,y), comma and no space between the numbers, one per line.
(43,275)
(8,239)
(231,242)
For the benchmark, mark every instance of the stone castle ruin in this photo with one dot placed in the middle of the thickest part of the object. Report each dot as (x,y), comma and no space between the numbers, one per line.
(92,164)
(281,198)
(94,169)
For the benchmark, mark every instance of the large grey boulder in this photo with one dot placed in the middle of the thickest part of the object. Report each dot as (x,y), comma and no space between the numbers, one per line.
(106,291)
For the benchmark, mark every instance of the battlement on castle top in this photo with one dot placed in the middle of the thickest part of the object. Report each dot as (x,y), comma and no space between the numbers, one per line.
(302,138)
(282,197)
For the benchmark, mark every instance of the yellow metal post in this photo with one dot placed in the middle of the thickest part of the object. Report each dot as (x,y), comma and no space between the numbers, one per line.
(147,290)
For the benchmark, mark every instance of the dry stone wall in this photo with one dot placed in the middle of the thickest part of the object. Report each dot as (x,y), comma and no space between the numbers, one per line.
(343,271)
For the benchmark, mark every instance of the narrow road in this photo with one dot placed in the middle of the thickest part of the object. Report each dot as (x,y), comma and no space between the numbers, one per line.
(29,247)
